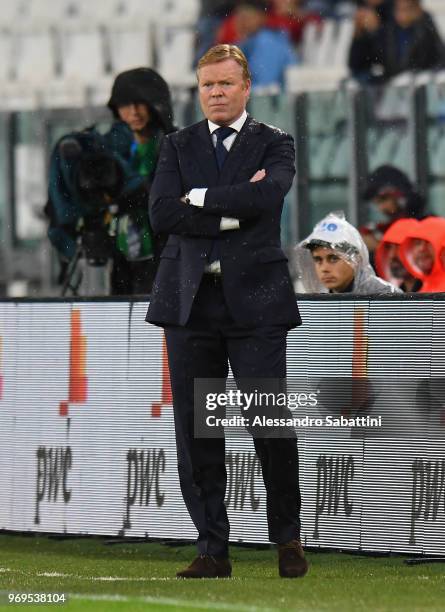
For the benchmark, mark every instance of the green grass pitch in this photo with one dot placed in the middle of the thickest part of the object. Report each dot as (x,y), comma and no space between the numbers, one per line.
(141,576)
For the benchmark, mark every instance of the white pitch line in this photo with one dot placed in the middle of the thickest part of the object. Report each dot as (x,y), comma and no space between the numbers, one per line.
(100,578)
(166,601)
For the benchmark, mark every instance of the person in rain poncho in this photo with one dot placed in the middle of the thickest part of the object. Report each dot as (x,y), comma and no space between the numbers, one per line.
(423,254)
(387,256)
(334,259)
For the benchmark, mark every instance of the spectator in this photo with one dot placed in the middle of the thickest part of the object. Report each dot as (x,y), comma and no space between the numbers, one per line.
(423,254)
(408,42)
(286,15)
(334,259)
(291,17)
(269,52)
(382,8)
(395,196)
(387,257)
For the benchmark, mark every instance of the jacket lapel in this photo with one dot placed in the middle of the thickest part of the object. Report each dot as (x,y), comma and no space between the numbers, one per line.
(204,153)
(241,151)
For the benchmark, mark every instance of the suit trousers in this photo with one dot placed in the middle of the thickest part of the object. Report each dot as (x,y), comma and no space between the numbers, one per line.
(202,349)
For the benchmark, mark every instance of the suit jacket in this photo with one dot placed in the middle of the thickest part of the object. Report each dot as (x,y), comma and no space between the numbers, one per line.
(255,276)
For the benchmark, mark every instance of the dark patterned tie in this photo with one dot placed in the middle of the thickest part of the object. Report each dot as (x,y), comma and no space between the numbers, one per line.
(221,153)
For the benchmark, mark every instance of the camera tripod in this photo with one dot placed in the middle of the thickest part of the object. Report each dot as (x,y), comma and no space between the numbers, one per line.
(86,274)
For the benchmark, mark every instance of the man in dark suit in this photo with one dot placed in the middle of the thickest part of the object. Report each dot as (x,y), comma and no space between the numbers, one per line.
(223,294)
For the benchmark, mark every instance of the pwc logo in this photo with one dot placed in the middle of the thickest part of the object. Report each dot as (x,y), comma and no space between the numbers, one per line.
(78,381)
(166,390)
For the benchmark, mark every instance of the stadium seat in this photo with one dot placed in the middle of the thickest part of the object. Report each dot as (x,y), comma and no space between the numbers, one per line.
(124,12)
(63,93)
(343,42)
(82,54)
(129,47)
(12,13)
(310,42)
(6,65)
(41,14)
(326,44)
(175,46)
(324,52)
(178,12)
(34,56)
(19,96)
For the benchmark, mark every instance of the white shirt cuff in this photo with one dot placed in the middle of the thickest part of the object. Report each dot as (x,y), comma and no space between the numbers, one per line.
(197,196)
(227,223)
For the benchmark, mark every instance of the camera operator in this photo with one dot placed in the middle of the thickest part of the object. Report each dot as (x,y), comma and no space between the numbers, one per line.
(89,186)
(89,172)
(140,101)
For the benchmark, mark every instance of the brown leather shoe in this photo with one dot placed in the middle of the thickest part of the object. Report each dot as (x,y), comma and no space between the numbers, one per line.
(291,560)
(206,566)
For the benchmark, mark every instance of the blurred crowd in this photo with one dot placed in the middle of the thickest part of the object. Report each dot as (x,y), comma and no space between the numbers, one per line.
(390,36)
(405,252)
(99,183)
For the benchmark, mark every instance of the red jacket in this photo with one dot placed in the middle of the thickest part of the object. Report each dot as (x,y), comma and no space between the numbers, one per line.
(432,230)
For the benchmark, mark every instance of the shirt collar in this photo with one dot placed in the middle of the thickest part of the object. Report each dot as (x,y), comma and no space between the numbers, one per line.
(236,125)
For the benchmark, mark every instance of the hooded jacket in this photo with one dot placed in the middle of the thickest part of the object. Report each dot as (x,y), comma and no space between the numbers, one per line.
(146,86)
(389,247)
(432,230)
(336,233)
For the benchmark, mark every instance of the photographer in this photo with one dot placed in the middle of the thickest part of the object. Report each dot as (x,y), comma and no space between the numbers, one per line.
(119,173)
(89,186)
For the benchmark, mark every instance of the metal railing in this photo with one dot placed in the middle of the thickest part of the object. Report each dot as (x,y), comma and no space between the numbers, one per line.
(341,135)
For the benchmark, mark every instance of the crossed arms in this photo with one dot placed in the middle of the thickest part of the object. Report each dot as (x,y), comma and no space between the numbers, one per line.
(262,193)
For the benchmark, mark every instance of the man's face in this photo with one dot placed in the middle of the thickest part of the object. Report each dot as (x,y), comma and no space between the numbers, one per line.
(136,116)
(387,204)
(396,268)
(332,271)
(422,254)
(223,93)
(406,12)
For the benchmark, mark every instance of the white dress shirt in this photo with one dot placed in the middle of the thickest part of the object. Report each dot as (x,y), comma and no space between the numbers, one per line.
(197,195)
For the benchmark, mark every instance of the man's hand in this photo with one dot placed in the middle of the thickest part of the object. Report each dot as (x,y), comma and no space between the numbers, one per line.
(258,176)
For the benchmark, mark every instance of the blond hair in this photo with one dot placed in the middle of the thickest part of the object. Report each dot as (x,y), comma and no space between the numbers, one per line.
(219,53)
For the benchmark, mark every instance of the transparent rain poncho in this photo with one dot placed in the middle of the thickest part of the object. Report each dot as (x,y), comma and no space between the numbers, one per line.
(336,233)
